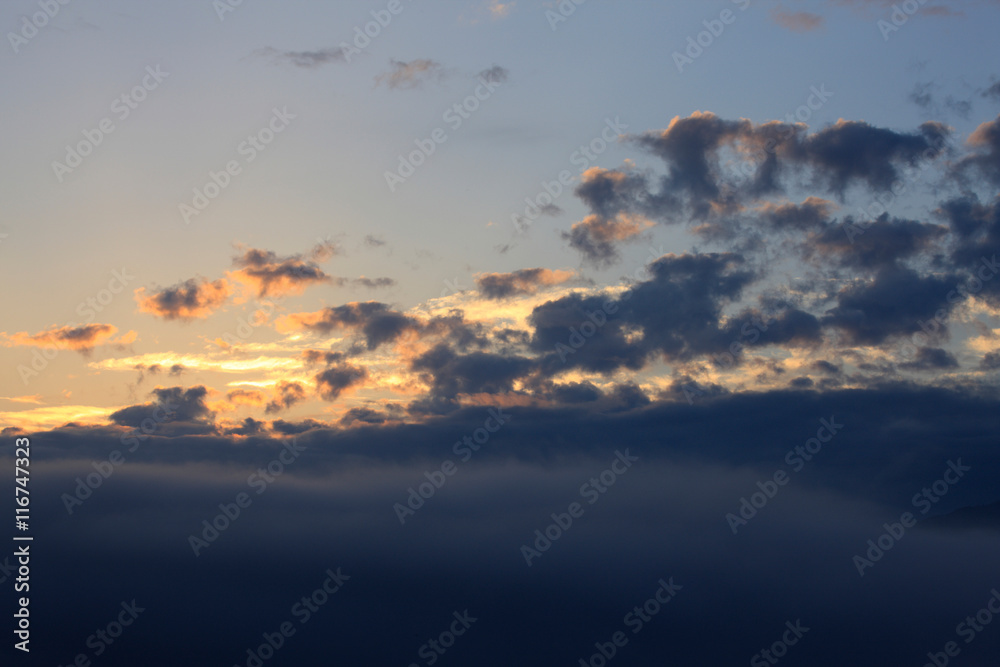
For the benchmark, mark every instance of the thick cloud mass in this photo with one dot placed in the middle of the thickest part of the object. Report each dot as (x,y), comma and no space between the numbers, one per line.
(664,517)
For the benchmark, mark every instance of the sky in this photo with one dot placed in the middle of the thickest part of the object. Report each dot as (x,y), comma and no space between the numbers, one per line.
(638,332)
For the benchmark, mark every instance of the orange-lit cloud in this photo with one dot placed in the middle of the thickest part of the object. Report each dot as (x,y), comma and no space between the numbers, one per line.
(35,399)
(82,339)
(50,417)
(250,397)
(189,300)
(267,274)
(519,283)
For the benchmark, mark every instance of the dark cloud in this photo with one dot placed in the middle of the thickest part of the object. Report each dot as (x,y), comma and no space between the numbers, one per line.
(714,167)
(450,373)
(305,59)
(286,395)
(333,508)
(495,74)
(931,359)
(337,378)
(813,213)
(374,283)
(269,275)
(377,322)
(875,243)
(176,411)
(854,151)
(893,303)
(249,426)
(519,283)
(195,298)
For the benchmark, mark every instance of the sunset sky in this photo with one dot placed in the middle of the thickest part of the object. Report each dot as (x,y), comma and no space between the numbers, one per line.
(698,232)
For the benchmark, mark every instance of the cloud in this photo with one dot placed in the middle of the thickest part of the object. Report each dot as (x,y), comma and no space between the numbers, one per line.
(495,74)
(35,399)
(337,378)
(268,274)
(932,359)
(409,75)
(518,283)
(373,283)
(891,304)
(377,322)
(595,236)
(500,10)
(985,141)
(196,298)
(797,21)
(879,243)
(304,59)
(82,339)
(176,411)
(286,395)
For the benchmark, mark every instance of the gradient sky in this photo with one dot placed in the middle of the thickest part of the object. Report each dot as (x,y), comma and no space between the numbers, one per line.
(713,280)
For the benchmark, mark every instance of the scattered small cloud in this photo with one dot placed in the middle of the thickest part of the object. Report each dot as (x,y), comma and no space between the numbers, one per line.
(408,75)
(796,21)
(304,59)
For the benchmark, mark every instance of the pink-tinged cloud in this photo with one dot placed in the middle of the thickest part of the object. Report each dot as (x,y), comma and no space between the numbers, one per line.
(797,21)
(82,339)
(190,300)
